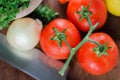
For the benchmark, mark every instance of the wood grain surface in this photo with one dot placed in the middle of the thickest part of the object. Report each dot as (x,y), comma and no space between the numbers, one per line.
(7,72)
(112,27)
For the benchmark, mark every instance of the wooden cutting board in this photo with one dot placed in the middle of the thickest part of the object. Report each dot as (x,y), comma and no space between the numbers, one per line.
(112,27)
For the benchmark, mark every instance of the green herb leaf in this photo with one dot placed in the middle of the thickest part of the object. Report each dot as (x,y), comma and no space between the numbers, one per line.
(9,9)
(45,13)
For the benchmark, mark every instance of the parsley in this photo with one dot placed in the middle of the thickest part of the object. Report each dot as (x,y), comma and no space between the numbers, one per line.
(9,9)
(45,13)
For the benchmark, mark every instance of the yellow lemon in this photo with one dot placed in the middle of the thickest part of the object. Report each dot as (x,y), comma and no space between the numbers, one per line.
(113,7)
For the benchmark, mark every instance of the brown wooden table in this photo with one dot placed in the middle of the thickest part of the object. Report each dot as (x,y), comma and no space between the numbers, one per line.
(112,27)
(7,72)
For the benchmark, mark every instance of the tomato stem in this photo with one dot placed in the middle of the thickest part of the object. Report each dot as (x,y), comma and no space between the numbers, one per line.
(63,69)
(67,44)
(89,21)
(86,38)
(95,42)
(75,49)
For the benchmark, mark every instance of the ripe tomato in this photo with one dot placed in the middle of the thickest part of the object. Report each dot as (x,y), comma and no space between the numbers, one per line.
(51,47)
(63,1)
(97,7)
(113,6)
(90,61)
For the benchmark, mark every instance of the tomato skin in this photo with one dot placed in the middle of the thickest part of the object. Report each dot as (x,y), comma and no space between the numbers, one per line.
(63,1)
(91,62)
(51,47)
(97,7)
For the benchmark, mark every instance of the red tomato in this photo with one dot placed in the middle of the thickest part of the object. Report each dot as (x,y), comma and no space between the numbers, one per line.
(90,61)
(63,1)
(51,47)
(97,7)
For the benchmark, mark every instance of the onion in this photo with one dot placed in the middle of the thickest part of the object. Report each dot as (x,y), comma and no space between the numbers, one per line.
(24,34)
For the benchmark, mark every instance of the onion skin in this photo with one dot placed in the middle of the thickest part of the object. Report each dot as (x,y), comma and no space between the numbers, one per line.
(23,34)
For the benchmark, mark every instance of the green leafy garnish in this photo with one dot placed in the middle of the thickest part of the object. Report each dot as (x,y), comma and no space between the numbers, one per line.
(9,9)
(45,13)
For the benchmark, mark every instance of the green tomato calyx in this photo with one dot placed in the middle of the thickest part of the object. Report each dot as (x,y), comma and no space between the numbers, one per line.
(59,36)
(101,50)
(84,12)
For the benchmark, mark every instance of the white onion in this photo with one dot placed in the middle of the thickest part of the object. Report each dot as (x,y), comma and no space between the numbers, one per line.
(24,34)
